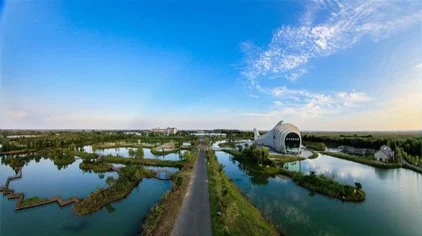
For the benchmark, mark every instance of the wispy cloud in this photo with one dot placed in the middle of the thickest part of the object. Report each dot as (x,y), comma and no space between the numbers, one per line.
(303,102)
(16,114)
(291,47)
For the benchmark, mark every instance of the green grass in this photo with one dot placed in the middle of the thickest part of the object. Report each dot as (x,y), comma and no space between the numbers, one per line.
(363,160)
(231,212)
(96,167)
(85,155)
(63,160)
(315,146)
(227,144)
(138,161)
(32,201)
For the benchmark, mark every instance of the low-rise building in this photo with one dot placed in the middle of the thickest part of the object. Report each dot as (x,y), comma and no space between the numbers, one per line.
(356,151)
(167,131)
(385,154)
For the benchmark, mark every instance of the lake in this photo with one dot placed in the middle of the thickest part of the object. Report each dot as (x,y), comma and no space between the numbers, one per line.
(393,204)
(44,179)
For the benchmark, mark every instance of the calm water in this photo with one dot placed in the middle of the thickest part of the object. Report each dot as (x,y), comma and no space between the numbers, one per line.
(124,152)
(44,179)
(393,205)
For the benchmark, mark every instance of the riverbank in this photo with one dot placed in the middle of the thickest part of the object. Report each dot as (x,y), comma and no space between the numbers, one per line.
(363,160)
(162,216)
(231,212)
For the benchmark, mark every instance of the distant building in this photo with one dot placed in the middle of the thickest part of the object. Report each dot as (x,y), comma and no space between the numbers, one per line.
(203,133)
(284,138)
(357,151)
(384,154)
(167,131)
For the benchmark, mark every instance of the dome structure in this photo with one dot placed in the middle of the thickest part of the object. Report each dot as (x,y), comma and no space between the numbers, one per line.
(284,138)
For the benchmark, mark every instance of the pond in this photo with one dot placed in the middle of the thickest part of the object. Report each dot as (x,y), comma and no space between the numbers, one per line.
(393,204)
(124,152)
(42,178)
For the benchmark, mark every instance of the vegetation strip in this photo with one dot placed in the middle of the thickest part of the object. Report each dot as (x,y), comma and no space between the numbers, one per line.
(363,160)
(231,212)
(138,161)
(162,216)
(129,178)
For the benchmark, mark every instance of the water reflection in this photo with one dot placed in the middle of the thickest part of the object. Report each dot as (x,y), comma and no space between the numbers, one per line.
(124,152)
(42,178)
(393,205)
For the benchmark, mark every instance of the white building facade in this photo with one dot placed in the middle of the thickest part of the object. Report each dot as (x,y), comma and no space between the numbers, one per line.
(385,154)
(284,138)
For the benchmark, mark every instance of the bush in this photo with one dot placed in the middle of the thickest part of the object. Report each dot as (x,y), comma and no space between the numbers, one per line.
(316,146)
(139,153)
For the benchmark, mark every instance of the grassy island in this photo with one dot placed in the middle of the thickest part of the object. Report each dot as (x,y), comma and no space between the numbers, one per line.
(328,186)
(97,167)
(158,152)
(129,178)
(364,160)
(231,212)
(258,161)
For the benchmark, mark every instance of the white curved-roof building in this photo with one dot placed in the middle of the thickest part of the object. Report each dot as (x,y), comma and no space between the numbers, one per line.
(284,138)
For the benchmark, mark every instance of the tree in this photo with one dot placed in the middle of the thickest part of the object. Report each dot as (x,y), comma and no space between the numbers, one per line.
(358,185)
(139,153)
(131,152)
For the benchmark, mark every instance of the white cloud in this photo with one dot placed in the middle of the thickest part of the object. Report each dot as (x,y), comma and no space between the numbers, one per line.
(291,47)
(278,103)
(16,114)
(303,102)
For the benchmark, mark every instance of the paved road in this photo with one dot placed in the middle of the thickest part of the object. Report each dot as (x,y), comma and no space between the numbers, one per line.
(195,216)
(404,162)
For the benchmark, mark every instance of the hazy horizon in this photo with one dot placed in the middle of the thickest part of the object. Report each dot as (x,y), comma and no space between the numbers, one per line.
(128,65)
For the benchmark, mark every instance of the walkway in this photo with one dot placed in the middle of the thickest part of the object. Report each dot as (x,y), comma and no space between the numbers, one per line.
(410,166)
(195,216)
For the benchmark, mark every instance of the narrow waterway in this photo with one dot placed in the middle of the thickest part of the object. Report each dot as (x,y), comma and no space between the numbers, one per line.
(393,205)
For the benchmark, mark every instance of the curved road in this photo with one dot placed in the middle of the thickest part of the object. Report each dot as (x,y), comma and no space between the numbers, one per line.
(195,215)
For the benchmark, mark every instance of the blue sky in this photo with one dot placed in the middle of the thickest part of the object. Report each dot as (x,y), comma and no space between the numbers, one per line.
(323,65)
